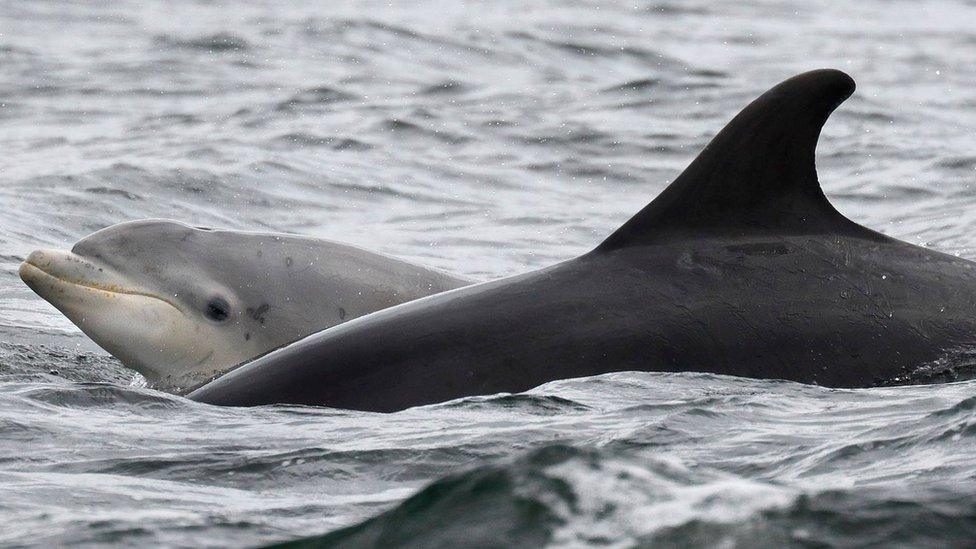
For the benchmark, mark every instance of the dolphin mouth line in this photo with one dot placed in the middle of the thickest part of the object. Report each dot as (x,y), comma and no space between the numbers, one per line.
(109,289)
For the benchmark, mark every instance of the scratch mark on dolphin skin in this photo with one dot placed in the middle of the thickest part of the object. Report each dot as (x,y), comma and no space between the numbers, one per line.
(258,314)
(342,313)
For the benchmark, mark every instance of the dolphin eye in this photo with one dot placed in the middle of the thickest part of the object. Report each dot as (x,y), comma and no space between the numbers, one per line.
(218,309)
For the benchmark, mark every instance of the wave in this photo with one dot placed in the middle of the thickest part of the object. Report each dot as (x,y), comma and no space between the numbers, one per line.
(217,42)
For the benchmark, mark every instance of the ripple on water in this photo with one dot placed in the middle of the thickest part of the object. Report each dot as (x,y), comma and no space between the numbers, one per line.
(217,42)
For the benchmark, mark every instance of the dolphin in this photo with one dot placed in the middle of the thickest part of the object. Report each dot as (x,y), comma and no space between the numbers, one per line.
(740,266)
(181,304)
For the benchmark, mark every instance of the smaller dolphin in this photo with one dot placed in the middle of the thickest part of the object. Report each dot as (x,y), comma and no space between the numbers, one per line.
(180,304)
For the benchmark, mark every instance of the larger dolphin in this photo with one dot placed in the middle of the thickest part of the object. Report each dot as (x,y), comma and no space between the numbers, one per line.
(741,266)
(181,304)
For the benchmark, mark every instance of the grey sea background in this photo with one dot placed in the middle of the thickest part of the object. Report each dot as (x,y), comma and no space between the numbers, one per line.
(485,139)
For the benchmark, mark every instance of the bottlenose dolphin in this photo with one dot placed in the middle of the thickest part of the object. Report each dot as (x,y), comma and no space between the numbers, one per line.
(181,304)
(741,266)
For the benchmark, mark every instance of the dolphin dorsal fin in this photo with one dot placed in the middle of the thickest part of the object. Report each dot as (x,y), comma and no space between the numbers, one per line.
(757,176)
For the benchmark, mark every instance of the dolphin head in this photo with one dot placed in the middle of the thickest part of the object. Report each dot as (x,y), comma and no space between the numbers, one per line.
(176,303)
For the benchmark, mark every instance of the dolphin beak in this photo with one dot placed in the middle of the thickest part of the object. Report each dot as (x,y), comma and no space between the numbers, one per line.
(50,273)
(44,270)
(63,266)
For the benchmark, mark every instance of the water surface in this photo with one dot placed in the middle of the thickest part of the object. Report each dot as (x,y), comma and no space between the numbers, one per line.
(484,139)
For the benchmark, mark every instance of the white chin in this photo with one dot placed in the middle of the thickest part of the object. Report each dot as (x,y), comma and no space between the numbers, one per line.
(146,333)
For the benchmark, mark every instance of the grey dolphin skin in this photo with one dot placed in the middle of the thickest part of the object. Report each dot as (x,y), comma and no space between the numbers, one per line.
(181,304)
(741,267)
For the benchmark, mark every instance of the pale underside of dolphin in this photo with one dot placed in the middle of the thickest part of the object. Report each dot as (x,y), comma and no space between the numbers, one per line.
(182,304)
(741,266)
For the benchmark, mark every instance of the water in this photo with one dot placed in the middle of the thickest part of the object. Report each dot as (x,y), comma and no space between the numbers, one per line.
(486,140)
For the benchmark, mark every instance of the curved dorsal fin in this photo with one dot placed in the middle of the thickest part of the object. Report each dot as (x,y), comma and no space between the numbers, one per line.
(758,175)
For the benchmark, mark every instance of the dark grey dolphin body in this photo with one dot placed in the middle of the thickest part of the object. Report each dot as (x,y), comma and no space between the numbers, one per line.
(741,266)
